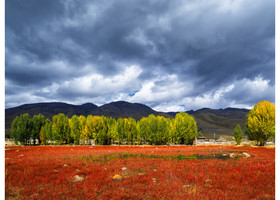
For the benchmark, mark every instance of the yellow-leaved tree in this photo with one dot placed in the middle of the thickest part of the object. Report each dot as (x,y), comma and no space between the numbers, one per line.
(260,123)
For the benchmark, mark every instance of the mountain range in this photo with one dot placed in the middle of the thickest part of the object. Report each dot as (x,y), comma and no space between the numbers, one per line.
(209,121)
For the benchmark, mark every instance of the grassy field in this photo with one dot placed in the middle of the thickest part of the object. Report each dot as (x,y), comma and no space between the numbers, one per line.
(145,172)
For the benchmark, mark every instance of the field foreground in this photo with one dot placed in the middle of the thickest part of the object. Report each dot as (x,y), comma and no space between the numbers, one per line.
(145,172)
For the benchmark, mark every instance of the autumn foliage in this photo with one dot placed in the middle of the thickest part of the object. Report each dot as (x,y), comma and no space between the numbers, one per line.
(81,130)
(260,124)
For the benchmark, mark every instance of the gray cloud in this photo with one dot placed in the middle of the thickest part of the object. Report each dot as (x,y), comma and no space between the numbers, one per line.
(184,53)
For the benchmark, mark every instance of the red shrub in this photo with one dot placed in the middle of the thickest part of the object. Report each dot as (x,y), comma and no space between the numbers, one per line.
(155,172)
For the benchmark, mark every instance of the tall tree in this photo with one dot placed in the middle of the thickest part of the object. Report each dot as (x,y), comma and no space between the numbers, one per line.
(15,130)
(126,130)
(89,128)
(260,123)
(185,128)
(152,120)
(172,132)
(82,126)
(104,137)
(37,122)
(75,129)
(48,131)
(43,137)
(143,129)
(22,128)
(120,130)
(162,130)
(132,130)
(112,129)
(61,128)
(97,126)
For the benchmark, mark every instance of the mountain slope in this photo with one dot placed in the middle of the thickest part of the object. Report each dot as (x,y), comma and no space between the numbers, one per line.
(48,110)
(219,121)
(113,109)
(209,121)
(125,109)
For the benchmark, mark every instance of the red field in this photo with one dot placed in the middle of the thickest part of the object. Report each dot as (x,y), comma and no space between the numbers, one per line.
(158,172)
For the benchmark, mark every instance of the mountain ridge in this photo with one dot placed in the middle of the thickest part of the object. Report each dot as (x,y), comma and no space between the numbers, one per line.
(209,121)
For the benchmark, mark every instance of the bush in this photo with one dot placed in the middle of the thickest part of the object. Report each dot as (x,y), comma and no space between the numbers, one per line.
(237,133)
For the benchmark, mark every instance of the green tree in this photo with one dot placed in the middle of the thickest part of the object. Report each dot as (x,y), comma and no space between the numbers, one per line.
(163,127)
(97,126)
(15,130)
(126,130)
(43,137)
(61,129)
(37,122)
(152,137)
(82,126)
(104,137)
(48,131)
(260,123)
(172,132)
(132,131)
(199,134)
(75,129)
(237,133)
(89,128)
(143,129)
(185,128)
(22,129)
(120,130)
(112,129)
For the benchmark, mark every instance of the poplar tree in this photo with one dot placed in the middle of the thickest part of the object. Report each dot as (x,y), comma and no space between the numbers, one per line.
(185,128)
(82,125)
(37,122)
(143,129)
(88,128)
(112,129)
(260,123)
(152,120)
(126,130)
(22,128)
(74,129)
(162,134)
(120,130)
(132,131)
(61,129)
(97,124)
(15,130)
(43,138)
(48,131)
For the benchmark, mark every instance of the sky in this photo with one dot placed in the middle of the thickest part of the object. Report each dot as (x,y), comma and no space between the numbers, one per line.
(174,55)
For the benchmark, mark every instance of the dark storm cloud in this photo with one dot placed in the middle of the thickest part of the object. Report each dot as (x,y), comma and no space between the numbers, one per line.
(194,49)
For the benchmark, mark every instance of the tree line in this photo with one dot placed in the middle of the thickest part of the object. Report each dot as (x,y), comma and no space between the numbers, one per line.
(81,130)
